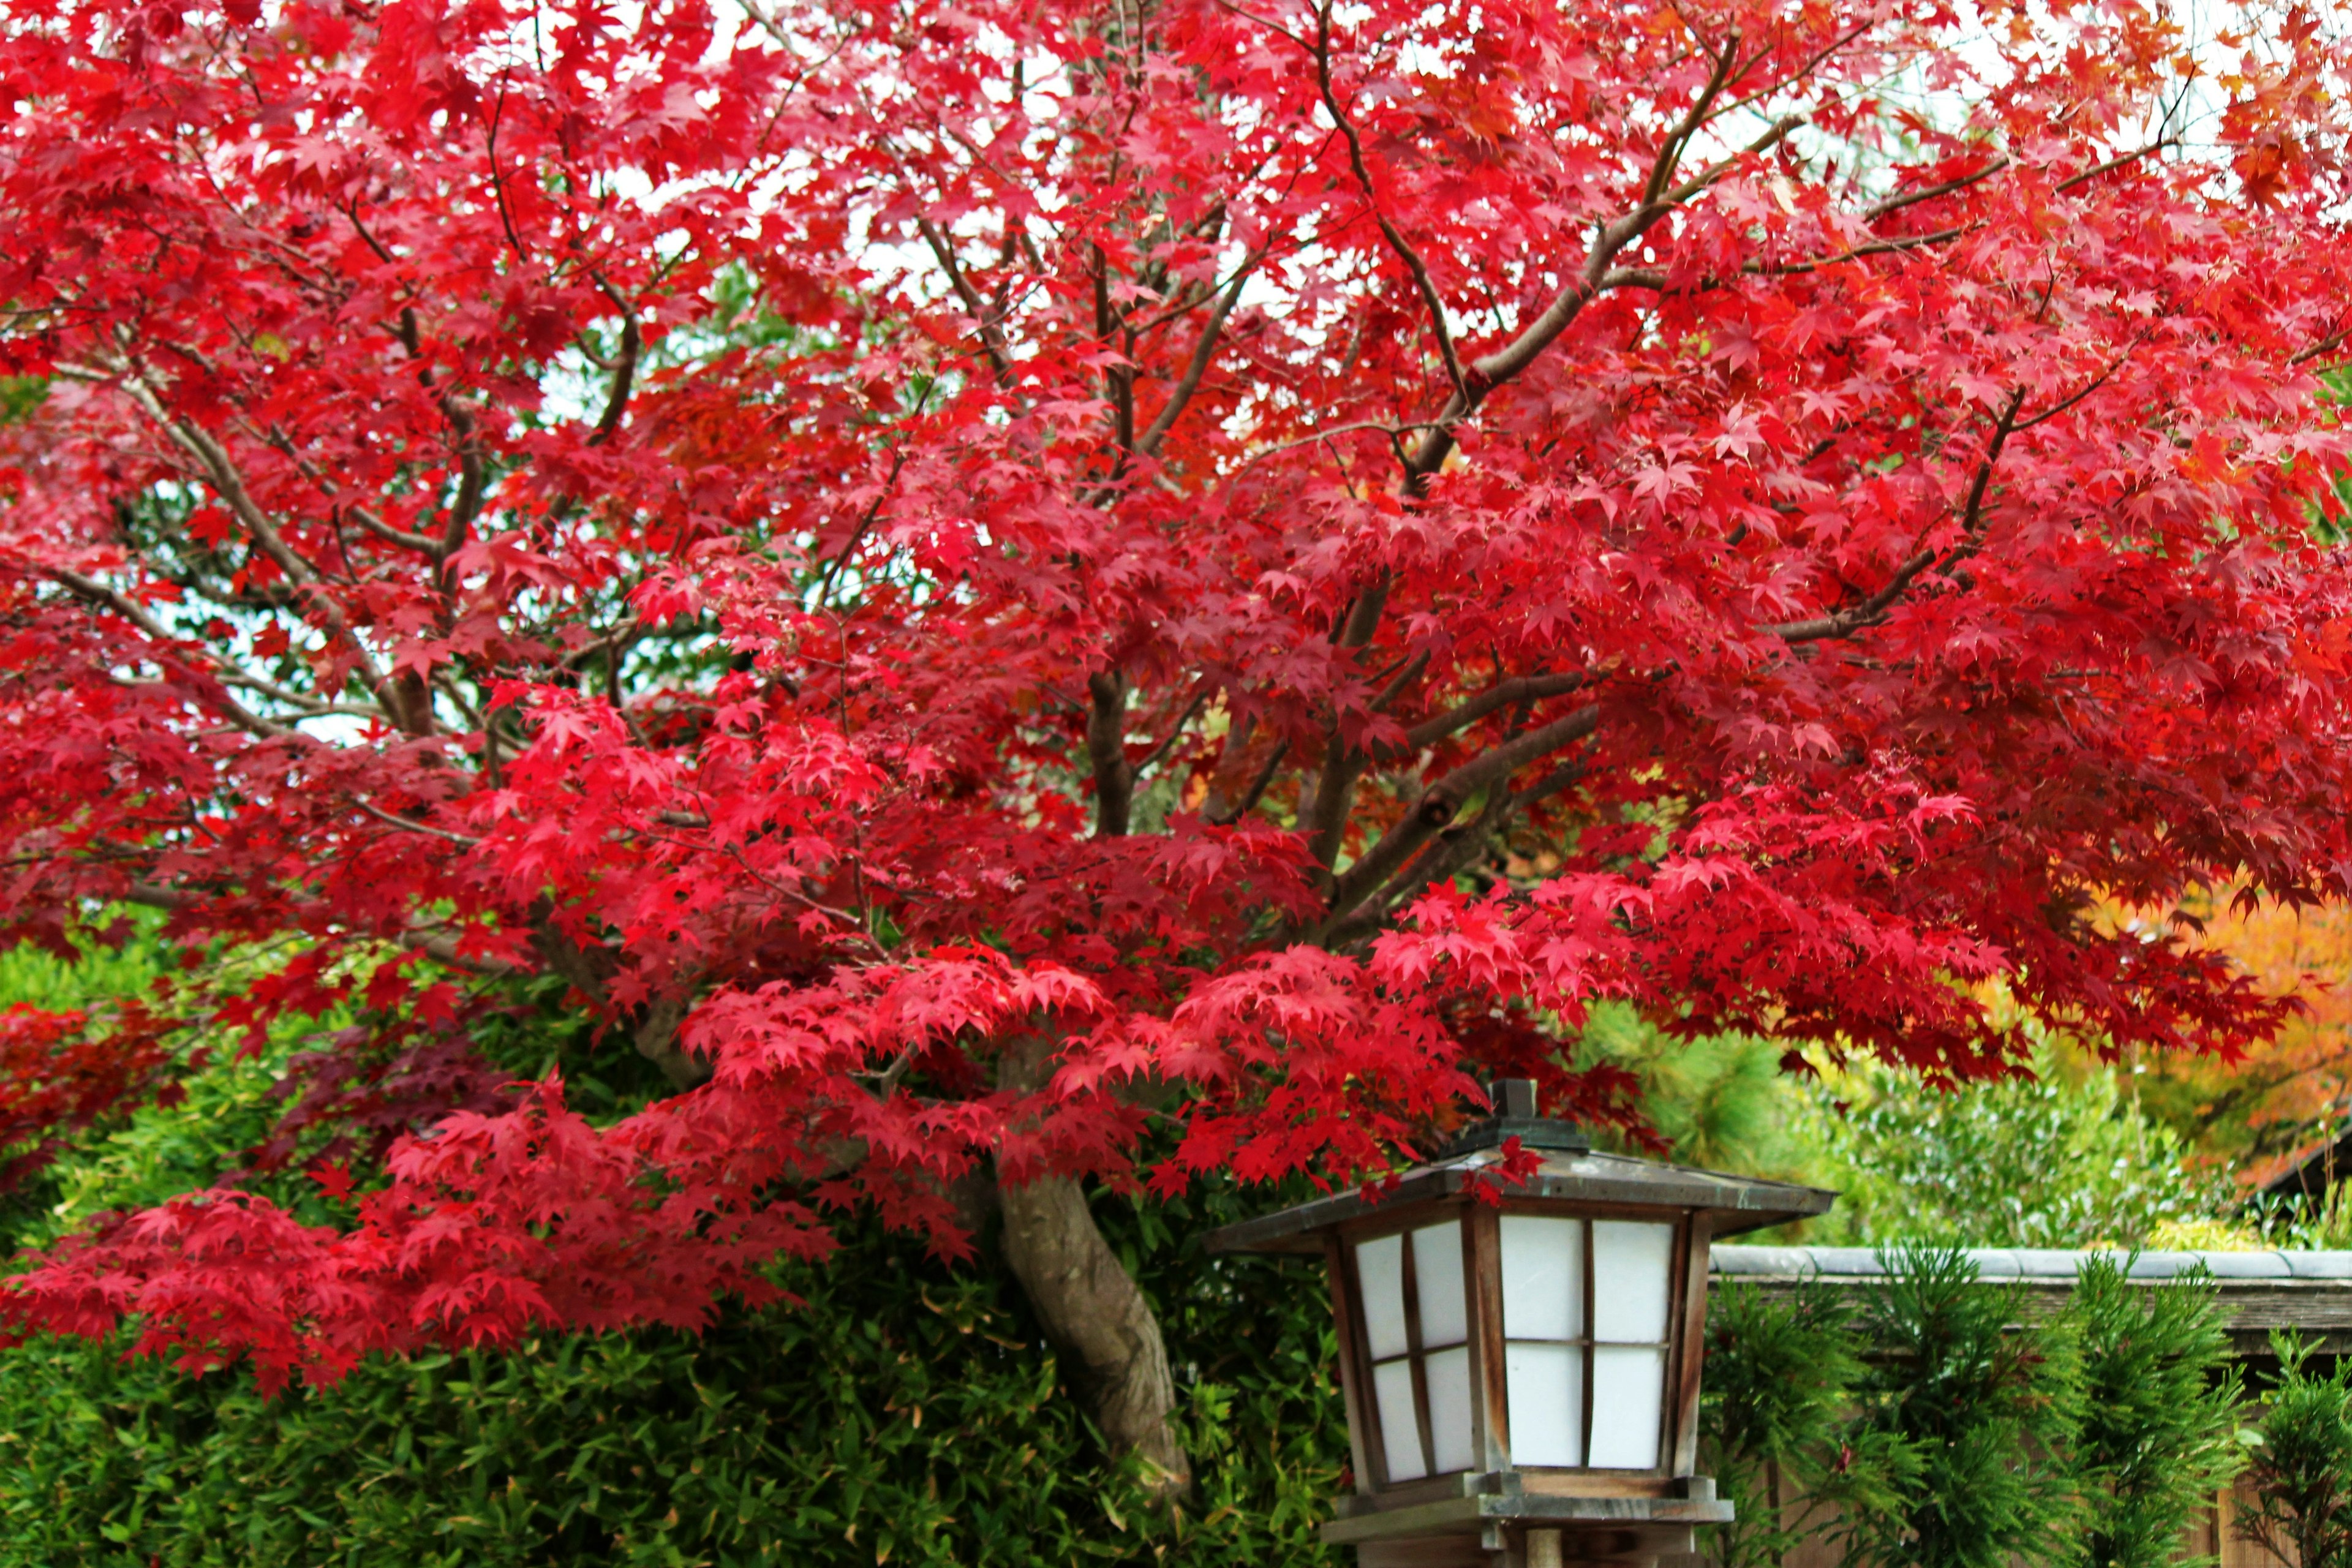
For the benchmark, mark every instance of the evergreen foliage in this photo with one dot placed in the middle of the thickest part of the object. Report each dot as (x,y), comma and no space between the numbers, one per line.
(1986,1416)
(2159,1413)
(1720,1102)
(2302,1468)
(1781,1376)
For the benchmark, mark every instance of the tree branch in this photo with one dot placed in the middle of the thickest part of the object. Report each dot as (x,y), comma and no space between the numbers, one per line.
(1197,366)
(992,336)
(1670,150)
(2120,161)
(1502,694)
(1397,242)
(1507,364)
(1853,618)
(1219,815)
(1343,765)
(1441,801)
(1902,199)
(1106,746)
(1175,733)
(625,368)
(1458,847)
(1334,790)
(93,592)
(228,483)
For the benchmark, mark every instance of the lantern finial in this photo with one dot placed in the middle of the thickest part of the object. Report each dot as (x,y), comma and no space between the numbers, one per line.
(1515,1116)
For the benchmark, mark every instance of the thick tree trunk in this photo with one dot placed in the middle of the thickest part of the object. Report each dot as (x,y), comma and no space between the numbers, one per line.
(1105,1331)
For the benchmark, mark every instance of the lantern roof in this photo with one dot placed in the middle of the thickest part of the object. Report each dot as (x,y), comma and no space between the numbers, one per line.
(1573,1175)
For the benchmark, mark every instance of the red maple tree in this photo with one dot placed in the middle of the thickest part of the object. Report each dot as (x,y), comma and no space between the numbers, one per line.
(1004,586)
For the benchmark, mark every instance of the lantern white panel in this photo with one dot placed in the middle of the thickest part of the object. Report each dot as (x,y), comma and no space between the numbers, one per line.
(1629,1392)
(1399,1431)
(1632,1262)
(1437,1271)
(1544,1385)
(1543,1277)
(1449,1409)
(1379,1272)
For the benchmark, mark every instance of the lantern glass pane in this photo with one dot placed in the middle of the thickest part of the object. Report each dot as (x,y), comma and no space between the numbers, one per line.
(1449,1408)
(1632,1264)
(1543,1277)
(1545,1384)
(1437,1271)
(1629,1386)
(1380,1271)
(1399,1431)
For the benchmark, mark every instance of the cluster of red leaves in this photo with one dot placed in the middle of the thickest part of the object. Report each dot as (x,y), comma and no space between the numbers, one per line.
(62,1073)
(365,1085)
(994,586)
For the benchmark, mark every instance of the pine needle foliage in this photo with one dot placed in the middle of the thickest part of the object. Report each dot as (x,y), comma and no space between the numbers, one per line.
(2159,1413)
(1986,1416)
(1782,1372)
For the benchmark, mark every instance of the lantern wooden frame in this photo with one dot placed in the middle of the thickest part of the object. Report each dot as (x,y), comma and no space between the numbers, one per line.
(1493,1512)
(1482,1272)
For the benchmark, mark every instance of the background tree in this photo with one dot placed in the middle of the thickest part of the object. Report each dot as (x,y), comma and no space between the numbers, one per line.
(1987,1417)
(2263,1109)
(2060,1157)
(1044,595)
(2159,1410)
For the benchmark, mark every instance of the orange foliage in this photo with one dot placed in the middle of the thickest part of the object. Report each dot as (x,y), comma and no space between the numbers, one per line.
(2261,1108)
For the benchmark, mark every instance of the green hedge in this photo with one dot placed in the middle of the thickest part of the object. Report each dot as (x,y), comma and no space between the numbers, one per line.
(905,1413)
(908,1413)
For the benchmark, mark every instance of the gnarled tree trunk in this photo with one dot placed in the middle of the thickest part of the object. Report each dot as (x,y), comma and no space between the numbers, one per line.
(1098,1319)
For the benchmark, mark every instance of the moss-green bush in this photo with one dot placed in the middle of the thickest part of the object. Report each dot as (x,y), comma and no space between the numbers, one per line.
(903,1413)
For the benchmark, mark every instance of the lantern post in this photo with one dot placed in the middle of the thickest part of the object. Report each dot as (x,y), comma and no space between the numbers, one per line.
(1522,1377)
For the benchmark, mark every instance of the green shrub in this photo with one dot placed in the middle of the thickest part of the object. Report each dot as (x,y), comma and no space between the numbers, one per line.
(904,1413)
(1985,1414)
(2302,1466)
(1936,1422)
(2061,1159)
(1774,1420)
(2161,1409)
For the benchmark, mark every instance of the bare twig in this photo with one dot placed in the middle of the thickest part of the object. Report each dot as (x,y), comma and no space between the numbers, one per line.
(1388,231)
(1188,383)
(1246,802)
(1175,733)
(992,334)
(405,826)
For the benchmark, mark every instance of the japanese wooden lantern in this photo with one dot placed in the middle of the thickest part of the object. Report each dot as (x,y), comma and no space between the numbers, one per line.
(1522,1377)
